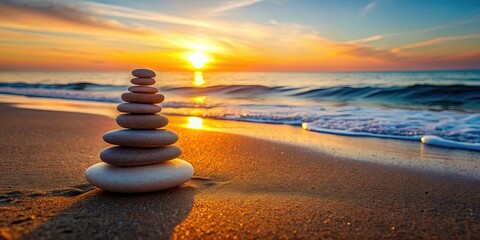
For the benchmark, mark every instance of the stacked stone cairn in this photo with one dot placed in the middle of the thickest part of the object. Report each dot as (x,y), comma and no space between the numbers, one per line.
(144,158)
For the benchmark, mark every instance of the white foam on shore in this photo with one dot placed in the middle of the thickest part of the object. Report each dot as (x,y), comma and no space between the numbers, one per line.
(358,134)
(438,141)
(427,139)
(460,129)
(96,96)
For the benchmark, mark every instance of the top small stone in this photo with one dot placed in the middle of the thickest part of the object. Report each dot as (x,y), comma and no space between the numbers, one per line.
(143,73)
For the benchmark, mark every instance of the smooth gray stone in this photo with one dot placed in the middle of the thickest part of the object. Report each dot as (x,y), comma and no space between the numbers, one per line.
(142,97)
(138,179)
(143,89)
(141,138)
(139,108)
(143,73)
(143,81)
(127,156)
(143,121)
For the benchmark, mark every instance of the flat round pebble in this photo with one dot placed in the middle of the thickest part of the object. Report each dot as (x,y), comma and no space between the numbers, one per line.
(143,121)
(142,97)
(139,108)
(141,138)
(143,89)
(138,179)
(143,73)
(127,156)
(143,81)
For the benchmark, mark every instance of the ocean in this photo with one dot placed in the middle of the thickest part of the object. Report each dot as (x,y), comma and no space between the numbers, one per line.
(402,105)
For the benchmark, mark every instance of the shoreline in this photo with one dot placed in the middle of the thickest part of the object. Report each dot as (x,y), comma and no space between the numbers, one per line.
(243,186)
(432,137)
(393,152)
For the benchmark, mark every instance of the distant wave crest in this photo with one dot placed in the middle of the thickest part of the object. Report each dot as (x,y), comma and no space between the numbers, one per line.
(457,97)
(277,104)
(421,93)
(439,97)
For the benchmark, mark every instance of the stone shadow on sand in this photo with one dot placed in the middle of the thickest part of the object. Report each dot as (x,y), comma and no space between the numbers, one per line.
(104,215)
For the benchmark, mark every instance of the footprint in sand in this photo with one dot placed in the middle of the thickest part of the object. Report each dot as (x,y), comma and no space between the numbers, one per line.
(206,181)
(72,192)
(9,197)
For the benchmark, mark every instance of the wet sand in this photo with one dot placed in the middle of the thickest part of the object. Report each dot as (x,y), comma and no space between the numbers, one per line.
(244,187)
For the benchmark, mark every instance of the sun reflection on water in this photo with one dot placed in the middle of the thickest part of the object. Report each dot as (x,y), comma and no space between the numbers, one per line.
(198,78)
(199,99)
(195,122)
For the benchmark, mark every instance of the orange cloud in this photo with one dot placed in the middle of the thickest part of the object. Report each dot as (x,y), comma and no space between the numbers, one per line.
(86,37)
(435,41)
(49,16)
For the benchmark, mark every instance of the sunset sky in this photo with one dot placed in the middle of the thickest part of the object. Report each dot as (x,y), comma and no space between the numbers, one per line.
(245,35)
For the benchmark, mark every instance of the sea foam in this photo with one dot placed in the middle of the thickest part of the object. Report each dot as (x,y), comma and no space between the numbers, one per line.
(405,106)
(438,141)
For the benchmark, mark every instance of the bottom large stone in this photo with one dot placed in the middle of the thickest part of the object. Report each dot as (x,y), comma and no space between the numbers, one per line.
(147,178)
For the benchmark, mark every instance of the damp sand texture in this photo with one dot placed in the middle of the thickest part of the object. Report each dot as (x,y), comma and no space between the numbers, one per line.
(243,187)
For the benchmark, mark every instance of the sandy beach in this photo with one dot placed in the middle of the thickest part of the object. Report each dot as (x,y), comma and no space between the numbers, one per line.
(247,119)
(244,187)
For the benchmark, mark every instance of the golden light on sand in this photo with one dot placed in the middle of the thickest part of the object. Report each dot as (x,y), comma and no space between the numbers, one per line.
(198,78)
(197,59)
(195,122)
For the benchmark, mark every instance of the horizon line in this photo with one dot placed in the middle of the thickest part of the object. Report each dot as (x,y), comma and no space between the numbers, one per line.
(240,71)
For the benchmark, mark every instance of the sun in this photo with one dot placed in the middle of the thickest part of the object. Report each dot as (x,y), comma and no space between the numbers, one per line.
(198,59)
